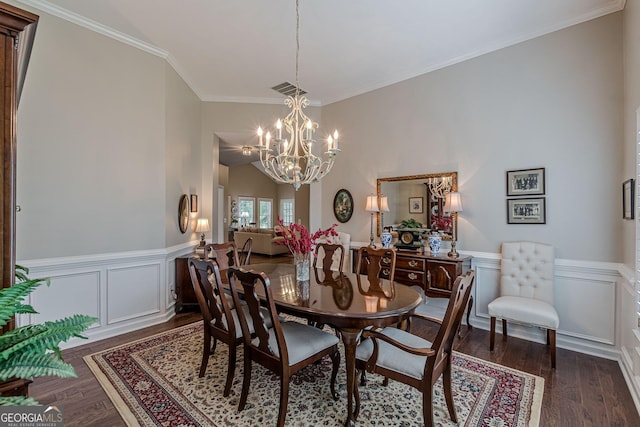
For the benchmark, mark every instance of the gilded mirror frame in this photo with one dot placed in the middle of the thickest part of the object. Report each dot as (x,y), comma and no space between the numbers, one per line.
(454,187)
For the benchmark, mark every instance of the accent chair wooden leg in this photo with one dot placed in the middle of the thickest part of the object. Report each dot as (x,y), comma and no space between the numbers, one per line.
(504,329)
(492,334)
(552,342)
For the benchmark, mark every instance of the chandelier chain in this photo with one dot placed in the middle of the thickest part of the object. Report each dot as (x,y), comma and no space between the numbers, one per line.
(297,45)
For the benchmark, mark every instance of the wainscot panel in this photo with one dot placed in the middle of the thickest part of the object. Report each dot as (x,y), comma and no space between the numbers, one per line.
(125,291)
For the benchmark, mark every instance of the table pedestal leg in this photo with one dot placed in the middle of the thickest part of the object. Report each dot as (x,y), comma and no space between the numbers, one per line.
(350,341)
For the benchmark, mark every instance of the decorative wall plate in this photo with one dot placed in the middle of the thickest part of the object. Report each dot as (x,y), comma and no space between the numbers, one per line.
(343,205)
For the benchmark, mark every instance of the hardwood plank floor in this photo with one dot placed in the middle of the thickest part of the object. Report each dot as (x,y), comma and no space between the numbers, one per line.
(583,391)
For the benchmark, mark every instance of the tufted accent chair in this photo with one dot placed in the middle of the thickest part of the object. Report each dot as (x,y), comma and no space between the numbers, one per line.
(526,291)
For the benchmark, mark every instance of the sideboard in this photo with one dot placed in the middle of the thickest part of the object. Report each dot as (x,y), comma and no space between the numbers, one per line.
(435,274)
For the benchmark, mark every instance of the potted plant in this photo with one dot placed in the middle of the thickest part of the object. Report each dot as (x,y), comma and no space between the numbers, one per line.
(33,350)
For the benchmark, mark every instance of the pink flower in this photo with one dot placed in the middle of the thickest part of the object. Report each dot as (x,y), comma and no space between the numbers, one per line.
(296,237)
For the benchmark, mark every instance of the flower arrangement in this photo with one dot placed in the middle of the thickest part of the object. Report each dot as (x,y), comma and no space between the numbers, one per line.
(297,238)
(440,223)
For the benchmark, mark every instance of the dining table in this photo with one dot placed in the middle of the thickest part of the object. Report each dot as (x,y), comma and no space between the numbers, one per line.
(346,301)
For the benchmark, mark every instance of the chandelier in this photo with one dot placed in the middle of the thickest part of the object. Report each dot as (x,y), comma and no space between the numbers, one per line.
(290,160)
(439,186)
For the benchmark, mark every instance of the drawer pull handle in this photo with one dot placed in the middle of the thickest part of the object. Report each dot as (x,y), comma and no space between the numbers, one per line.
(413,263)
(386,260)
(412,276)
(385,271)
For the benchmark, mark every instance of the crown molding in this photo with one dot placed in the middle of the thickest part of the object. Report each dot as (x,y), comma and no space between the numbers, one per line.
(89,24)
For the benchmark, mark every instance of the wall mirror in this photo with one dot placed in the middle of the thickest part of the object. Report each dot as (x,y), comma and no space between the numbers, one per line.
(418,200)
(183,213)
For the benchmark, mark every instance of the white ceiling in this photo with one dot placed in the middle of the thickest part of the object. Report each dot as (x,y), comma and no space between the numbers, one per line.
(230,50)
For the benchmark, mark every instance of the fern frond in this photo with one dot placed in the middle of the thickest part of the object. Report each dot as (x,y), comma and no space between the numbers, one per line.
(21,273)
(31,365)
(39,338)
(9,297)
(18,401)
(24,309)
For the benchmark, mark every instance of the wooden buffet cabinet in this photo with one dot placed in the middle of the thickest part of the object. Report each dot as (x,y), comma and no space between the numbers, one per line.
(435,274)
(185,295)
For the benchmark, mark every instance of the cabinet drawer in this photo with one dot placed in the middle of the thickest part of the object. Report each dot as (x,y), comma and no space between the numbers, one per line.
(410,277)
(411,263)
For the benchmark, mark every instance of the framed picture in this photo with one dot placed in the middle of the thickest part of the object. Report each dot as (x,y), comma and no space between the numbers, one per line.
(343,205)
(526,211)
(416,204)
(525,182)
(627,199)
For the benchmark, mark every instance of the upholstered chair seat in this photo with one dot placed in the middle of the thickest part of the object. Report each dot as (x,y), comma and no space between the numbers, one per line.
(526,311)
(393,358)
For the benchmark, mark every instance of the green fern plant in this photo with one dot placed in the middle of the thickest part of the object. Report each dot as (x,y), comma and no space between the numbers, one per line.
(33,350)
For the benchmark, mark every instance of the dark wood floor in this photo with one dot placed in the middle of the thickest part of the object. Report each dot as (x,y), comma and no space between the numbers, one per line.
(583,391)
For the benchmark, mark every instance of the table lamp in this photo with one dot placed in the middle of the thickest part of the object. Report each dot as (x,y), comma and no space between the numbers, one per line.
(201,227)
(372,206)
(453,204)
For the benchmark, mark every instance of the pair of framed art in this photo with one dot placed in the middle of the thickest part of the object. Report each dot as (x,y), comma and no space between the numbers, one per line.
(522,208)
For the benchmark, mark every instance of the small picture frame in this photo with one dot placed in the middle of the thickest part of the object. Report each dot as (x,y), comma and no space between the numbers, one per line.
(526,211)
(525,182)
(627,199)
(194,203)
(416,205)
(343,205)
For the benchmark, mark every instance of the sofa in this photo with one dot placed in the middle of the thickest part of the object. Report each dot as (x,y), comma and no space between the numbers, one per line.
(263,241)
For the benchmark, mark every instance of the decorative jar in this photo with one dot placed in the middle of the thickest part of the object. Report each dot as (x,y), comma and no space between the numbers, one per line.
(435,240)
(386,238)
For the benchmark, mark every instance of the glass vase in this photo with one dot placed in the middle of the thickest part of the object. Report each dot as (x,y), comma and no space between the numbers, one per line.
(302,265)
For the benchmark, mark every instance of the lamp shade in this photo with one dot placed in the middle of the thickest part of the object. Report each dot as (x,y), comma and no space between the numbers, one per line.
(384,204)
(372,204)
(244,214)
(452,202)
(202,225)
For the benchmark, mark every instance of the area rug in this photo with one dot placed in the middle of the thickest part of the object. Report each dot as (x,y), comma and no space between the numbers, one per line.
(154,382)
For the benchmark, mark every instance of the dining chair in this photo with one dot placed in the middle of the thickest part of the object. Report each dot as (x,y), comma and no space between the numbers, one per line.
(412,360)
(331,257)
(226,255)
(244,257)
(284,349)
(376,263)
(219,316)
(526,291)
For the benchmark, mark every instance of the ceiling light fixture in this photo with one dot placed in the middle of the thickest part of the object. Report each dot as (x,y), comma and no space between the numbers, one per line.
(246,150)
(290,160)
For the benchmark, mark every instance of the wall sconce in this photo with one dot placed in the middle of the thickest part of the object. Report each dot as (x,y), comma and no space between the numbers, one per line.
(194,203)
(201,227)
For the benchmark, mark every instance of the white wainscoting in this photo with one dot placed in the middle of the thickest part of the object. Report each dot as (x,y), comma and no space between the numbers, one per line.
(585,297)
(125,291)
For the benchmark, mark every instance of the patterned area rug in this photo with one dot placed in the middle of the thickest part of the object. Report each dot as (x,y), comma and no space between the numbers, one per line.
(154,382)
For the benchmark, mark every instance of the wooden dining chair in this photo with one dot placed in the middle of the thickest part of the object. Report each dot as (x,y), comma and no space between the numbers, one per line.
(402,356)
(377,263)
(244,256)
(329,257)
(284,349)
(218,315)
(225,254)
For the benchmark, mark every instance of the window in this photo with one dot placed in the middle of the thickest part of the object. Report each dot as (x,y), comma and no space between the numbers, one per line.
(246,210)
(265,210)
(287,211)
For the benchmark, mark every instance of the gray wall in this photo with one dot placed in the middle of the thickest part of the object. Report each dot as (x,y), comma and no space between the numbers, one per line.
(553,102)
(91,156)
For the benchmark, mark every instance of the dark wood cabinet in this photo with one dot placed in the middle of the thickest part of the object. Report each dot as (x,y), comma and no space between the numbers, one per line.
(185,295)
(434,274)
